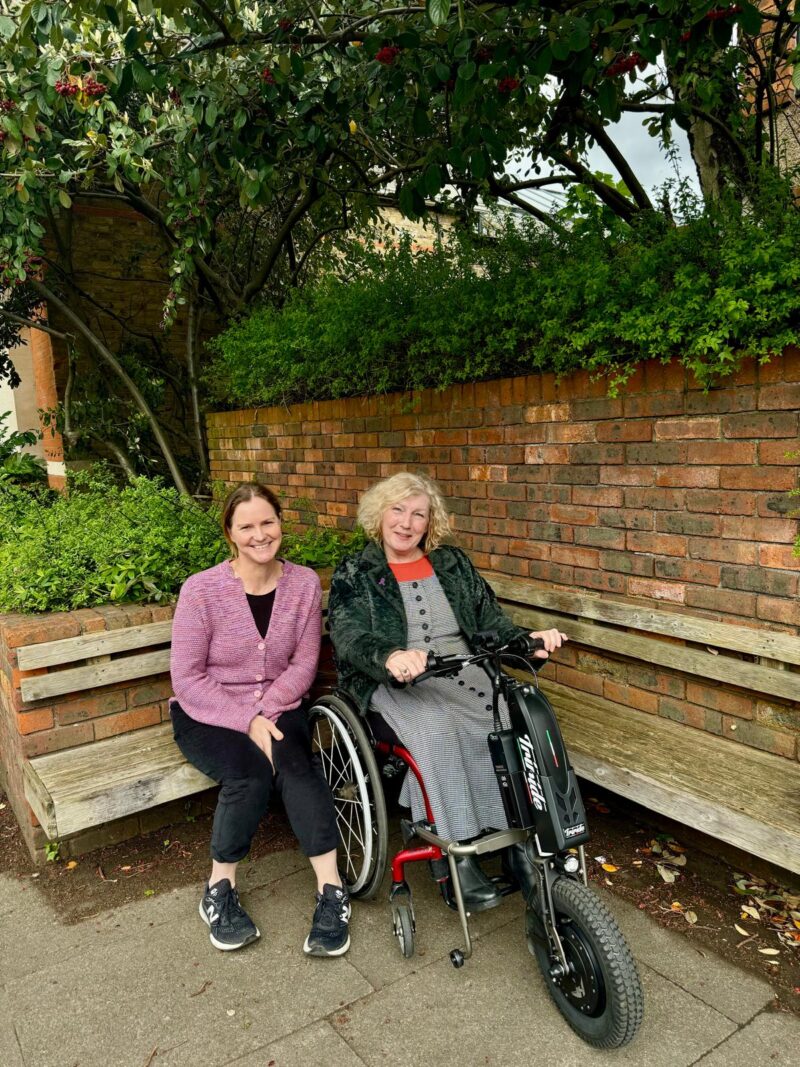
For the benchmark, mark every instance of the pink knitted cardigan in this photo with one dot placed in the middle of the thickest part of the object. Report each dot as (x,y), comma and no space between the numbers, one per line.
(223,671)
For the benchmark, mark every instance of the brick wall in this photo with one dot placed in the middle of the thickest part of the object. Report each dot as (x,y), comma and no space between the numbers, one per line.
(665,495)
(32,729)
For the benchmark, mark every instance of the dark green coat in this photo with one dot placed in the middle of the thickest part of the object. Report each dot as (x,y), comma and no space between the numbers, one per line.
(368,621)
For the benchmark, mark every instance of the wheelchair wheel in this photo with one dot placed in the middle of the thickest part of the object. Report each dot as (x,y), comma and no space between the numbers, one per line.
(403,922)
(351,771)
(601,997)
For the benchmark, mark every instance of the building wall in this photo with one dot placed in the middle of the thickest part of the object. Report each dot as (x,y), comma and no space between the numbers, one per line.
(665,496)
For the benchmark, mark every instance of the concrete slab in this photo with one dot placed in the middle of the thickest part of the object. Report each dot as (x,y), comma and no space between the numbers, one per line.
(768,1039)
(10,1052)
(175,993)
(318,1044)
(738,994)
(496,1011)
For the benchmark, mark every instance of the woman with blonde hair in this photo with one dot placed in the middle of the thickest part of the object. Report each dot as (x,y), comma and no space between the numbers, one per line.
(408,594)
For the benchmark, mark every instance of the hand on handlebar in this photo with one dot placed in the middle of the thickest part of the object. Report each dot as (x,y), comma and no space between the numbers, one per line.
(405,664)
(552,639)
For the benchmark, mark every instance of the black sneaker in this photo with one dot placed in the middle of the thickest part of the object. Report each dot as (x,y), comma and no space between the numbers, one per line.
(231,927)
(330,934)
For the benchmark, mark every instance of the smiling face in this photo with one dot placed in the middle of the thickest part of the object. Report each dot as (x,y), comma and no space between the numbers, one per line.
(255,530)
(403,526)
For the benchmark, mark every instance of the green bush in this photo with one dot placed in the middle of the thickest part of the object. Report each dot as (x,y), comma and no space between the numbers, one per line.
(721,286)
(107,542)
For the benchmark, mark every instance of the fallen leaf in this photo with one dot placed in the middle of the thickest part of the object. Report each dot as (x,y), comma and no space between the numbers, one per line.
(149,892)
(666,873)
(752,912)
(72,865)
(678,861)
(769,951)
(603,809)
(677,906)
(2,807)
(600,859)
(740,930)
(125,868)
(608,881)
(690,917)
(609,867)
(637,863)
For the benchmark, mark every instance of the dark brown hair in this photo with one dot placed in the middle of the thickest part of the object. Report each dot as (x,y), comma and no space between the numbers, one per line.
(240,495)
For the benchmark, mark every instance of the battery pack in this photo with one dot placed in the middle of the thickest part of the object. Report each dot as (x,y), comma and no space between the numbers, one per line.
(511,779)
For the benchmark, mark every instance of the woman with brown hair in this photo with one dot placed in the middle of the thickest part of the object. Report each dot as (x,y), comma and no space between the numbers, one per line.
(245,647)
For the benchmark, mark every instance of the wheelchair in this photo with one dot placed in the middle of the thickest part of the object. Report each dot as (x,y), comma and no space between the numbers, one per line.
(584,958)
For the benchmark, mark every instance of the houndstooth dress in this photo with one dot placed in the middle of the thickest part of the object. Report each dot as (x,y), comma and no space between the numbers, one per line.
(444,723)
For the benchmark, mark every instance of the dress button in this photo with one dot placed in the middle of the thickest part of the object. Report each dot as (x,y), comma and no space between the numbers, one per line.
(462,682)
(425,626)
(472,689)
(422,611)
(427,640)
(415,585)
(261,646)
(418,598)
(257,693)
(259,677)
(488,707)
(481,694)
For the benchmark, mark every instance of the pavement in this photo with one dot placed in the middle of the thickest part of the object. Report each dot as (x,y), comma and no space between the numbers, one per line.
(141,985)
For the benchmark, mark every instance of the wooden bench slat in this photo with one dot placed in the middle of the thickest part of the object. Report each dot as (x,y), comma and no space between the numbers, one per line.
(753,676)
(755,642)
(42,686)
(94,784)
(70,649)
(750,799)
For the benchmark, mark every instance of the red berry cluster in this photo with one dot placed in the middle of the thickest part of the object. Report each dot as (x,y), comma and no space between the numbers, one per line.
(66,88)
(622,64)
(388,54)
(7,105)
(93,88)
(723,12)
(267,76)
(507,84)
(285,25)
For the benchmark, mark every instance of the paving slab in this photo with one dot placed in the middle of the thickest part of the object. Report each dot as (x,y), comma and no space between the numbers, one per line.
(496,1011)
(772,1039)
(315,1045)
(736,993)
(175,993)
(10,1052)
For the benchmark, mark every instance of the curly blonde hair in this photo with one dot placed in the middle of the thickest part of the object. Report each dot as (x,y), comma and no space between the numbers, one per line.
(398,487)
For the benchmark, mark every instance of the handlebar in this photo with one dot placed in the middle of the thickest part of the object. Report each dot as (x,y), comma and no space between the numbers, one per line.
(521,647)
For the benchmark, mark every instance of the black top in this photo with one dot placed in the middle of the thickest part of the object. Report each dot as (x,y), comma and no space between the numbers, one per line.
(261,607)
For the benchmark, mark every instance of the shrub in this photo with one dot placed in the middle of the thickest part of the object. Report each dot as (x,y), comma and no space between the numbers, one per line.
(105,542)
(721,286)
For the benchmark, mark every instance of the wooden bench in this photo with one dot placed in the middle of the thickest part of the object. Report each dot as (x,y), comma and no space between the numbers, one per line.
(737,794)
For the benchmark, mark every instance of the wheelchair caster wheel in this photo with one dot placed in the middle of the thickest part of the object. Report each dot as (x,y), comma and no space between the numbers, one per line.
(403,922)
(457,958)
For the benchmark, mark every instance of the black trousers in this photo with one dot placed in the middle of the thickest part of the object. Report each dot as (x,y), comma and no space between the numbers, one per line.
(247,779)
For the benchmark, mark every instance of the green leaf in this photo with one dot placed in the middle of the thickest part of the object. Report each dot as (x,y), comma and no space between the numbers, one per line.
(438,11)
(7,27)
(467,70)
(142,76)
(298,67)
(64,198)
(421,122)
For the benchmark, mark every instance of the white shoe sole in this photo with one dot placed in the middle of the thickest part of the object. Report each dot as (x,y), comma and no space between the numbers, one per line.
(321,952)
(219,944)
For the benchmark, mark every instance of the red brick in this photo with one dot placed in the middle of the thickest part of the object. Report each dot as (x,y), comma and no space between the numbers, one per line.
(721,601)
(599,537)
(686,429)
(600,580)
(656,405)
(559,573)
(547,454)
(748,529)
(626,430)
(578,557)
(655,499)
(149,692)
(36,630)
(630,696)
(760,424)
(601,496)
(658,544)
(720,452)
(774,479)
(688,570)
(571,432)
(110,725)
(573,515)
(547,413)
(722,551)
(783,556)
(656,681)
(690,477)
(55,740)
(723,700)
(776,609)
(508,565)
(757,736)
(588,683)
(627,475)
(690,715)
(784,395)
(28,722)
(723,401)
(777,452)
(601,408)
(627,518)
(720,502)
(655,590)
(627,563)
(90,705)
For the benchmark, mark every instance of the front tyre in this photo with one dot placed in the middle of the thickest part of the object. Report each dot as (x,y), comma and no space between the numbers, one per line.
(601,997)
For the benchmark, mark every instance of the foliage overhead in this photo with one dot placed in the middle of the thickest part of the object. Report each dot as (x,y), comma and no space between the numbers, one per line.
(601,295)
